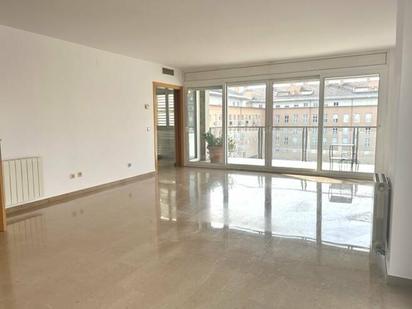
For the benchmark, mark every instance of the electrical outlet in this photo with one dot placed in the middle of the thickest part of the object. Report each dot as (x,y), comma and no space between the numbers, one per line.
(72,176)
(79,174)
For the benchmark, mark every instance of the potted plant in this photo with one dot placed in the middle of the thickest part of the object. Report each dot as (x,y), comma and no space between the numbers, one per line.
(215,147)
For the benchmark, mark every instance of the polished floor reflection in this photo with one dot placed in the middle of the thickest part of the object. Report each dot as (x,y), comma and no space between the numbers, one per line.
(197,238)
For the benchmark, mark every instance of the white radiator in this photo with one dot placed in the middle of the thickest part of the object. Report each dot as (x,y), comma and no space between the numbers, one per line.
(381,214)
(23,180)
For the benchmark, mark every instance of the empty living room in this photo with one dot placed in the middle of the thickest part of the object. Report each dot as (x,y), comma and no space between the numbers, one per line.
(205,154)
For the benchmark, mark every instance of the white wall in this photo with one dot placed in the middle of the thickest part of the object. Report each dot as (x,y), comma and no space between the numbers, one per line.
(400,167)
(372,61)
(79,108)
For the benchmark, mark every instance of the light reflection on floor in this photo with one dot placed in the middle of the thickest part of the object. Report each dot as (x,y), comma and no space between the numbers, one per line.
(333,213)
(311,165)
(199,238)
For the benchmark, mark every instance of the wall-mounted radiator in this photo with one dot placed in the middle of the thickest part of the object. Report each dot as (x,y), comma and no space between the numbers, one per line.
(381,214)
(23,180)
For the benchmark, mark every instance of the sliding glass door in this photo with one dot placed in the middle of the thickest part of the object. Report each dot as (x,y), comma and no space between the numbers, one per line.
(246,110)
(204,125)
(350,124)
(326,131)
(295,124)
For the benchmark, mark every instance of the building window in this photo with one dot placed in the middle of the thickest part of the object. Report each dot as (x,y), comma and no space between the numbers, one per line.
(368,117)
(277,118)
(356,118)
(335,118)
(335,103)
(367,142)
(286,118)
(335,131)
(305,118)
(295,118)
(346,118)
(325,118)
(286,140)
(314,118)
(368,131)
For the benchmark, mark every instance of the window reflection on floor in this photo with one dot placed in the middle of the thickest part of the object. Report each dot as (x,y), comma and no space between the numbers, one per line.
(347,214)
(167,203)
(217,209)
(333,213)
(294,205)
(246,202)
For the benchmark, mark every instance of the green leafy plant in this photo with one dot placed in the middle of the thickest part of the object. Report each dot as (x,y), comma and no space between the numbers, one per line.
(231,144)
(213,141)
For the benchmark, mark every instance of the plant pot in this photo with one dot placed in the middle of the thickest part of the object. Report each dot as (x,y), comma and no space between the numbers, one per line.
(216,154)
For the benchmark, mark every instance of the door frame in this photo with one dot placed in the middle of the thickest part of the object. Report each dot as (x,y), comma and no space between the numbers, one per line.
(3,220)
(319,146)
(187,161)
(268,115)
(179,123)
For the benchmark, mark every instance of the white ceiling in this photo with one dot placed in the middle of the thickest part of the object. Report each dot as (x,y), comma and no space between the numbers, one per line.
(198,33)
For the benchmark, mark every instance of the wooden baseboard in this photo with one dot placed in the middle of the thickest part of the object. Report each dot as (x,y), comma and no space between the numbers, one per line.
(35,205)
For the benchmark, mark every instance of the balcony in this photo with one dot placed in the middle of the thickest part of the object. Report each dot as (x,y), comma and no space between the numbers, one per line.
(345,148)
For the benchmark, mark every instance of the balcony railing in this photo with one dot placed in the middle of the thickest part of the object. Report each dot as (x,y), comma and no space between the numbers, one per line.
(349,148)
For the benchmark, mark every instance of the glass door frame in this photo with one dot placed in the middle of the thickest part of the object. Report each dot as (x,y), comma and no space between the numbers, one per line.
(186,131)
(382,99)
(269,126)
(265,142)
(321,76)
(320,123)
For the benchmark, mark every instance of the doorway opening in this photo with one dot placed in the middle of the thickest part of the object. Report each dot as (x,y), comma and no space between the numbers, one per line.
(168,125)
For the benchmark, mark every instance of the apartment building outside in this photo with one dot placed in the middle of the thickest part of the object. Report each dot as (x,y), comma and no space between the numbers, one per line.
(349,118)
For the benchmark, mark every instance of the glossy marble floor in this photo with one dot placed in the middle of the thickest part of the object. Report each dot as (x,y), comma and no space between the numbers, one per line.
(197,238)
